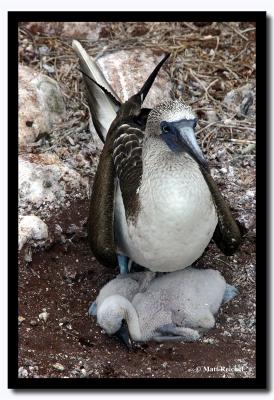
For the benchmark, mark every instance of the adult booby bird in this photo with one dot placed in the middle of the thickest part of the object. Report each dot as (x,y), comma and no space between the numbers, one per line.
(153,200)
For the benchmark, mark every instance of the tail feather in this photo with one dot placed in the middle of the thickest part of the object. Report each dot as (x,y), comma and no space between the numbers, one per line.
(148,83)
(102,107)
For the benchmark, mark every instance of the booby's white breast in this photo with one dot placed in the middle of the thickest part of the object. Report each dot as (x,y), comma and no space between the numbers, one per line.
(177,217)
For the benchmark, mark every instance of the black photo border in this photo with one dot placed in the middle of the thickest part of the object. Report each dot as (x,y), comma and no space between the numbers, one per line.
(261,380)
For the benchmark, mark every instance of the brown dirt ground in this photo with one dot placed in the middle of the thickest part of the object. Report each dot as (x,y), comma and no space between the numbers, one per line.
(65,278)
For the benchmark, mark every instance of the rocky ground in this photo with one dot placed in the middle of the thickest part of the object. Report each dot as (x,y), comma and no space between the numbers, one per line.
(212,66)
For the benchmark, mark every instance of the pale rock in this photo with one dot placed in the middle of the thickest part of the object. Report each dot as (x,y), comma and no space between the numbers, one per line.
(49,68)
(43,50)
(208,340)
(221,153)
(247,220)
(43,178)
(127,70)
(248,197)
(31,228)
(58,367)
(230,172)
(41,105)
(44,316)
(22,372)
(250,193)
(211,116)
(241,100)
(83,372)
(76,30)
(82,30)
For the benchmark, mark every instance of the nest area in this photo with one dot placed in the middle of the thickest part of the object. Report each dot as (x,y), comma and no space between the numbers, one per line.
(208,60)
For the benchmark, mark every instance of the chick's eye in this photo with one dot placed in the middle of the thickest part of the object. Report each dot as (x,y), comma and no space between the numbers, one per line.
(195,122)
(165,128)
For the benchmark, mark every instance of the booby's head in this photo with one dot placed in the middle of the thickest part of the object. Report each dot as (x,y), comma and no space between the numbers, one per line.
(111,316)
(174,123)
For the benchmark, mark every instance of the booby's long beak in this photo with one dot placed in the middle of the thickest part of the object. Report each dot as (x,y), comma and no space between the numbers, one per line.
(180,136)
(123,335)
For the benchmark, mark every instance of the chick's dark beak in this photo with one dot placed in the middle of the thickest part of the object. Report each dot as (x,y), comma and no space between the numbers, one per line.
(123,335)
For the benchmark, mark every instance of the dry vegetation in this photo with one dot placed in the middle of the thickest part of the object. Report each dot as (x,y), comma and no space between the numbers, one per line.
(208,60)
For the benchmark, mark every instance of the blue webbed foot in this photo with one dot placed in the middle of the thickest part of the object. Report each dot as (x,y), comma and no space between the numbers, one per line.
(230,293)
(124,264)
(92,311)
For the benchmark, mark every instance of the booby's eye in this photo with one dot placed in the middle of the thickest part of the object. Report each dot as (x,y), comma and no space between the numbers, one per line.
(165,128)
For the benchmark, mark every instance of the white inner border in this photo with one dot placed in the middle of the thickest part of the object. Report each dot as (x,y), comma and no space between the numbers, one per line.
(109,5)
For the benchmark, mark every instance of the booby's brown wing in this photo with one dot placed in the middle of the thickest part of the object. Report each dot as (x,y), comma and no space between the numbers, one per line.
(101,210)
(127,157)
(227,235)
(120,157)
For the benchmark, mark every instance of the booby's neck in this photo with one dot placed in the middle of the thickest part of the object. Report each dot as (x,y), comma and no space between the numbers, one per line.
(157,153)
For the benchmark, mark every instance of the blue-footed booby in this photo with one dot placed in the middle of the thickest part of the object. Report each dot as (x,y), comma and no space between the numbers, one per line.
(153,199)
